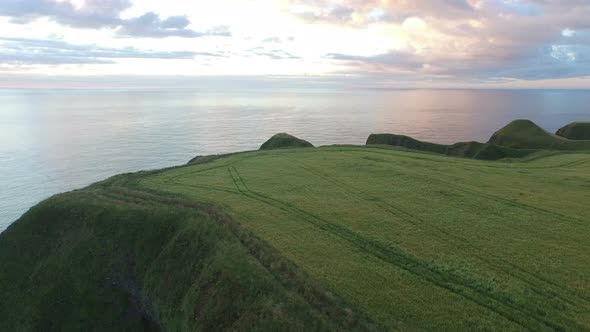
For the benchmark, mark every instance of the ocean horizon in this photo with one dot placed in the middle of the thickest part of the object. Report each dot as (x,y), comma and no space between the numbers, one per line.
(55,140)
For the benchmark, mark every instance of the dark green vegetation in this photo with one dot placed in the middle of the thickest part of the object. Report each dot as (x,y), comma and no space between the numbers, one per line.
(524,134)
(283,140)
(518,139)
(406,142)
(575,131)
(476,150)
(111,258)
(311,239)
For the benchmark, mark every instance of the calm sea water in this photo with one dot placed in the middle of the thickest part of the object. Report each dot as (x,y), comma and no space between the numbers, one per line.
(57,140)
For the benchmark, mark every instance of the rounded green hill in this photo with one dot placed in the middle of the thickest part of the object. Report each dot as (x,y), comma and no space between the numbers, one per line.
(525,134)
(518,139)
(284,140)
(575,131)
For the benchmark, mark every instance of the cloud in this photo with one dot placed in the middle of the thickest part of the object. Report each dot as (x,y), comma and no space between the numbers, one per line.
(96,14)
(359,12)
(464,39)
(554,61)
(151,25)
(22,51)
(274,54)
(92,14)
(272,40)
(330,14)
(277,40)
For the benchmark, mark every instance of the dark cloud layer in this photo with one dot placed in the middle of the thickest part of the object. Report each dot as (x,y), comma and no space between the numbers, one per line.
(96,14)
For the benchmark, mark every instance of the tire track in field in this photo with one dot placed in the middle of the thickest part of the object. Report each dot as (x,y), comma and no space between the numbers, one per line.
(208,187)
(483,256)
(452,160)
(242,187)
(405,261)
(575,163)
(235,160)
(138,197)
(524,206)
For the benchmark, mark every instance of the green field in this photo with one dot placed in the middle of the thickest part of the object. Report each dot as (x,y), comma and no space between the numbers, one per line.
(417,241)
(331,239)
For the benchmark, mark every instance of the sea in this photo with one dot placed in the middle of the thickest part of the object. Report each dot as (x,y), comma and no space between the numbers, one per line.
(53,141)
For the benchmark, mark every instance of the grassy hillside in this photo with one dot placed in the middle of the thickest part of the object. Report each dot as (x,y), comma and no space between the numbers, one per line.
(406,142)
(310,239)
(575,131)
(475,150)
(112,258)
(524,134)
(518,139)
(417,241)
(283,140)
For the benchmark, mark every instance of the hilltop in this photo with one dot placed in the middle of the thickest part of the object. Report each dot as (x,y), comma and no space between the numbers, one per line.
(518,139)
(575,131)
(342,238)
(283,140)
(524,134)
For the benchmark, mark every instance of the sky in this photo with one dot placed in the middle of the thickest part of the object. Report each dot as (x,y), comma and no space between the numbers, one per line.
(373,43)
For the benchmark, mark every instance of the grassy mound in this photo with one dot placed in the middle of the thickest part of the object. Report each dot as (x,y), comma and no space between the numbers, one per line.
(110,258)
(518,139)
(284,140)
(465,149)
(475,150)
(405,142)
(524,134)
(575,131)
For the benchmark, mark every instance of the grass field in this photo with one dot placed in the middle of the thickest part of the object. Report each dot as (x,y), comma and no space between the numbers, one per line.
(416,241)
(331,239)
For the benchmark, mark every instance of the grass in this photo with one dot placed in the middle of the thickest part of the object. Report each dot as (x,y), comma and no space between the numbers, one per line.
(111,258)
(518,139)
(406,142)
(524,134)
(475,150)
(417,241)
(283,140)
(331,238)
(575,131)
